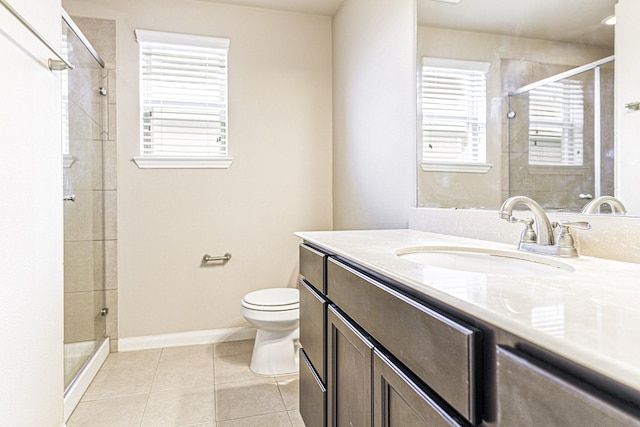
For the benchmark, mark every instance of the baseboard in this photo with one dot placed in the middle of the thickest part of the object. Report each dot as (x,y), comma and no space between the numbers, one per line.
(186,338)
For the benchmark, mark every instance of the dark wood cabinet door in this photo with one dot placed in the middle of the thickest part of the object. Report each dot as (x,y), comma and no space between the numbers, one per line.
(399,402)
(348,373)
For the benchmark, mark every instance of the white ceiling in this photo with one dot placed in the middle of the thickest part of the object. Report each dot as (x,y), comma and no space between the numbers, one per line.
(577,21)
(314,7)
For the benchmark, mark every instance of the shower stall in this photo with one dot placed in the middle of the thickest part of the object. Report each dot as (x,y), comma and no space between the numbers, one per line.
(86,235)
(561,142)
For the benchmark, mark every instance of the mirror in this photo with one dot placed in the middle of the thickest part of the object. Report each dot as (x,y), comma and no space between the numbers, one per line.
(521,45)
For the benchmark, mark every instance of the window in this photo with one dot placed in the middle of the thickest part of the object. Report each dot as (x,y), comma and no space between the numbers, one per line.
(556,121)
(183,101)
(454,112)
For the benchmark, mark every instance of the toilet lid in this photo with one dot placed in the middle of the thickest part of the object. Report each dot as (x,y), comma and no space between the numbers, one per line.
(272,299)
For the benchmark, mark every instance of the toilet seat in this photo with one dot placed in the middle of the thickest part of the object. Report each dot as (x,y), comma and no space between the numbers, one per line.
(275,299)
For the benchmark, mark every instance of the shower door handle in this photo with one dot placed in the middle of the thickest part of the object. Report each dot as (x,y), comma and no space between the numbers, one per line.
(585,196)
(71,198)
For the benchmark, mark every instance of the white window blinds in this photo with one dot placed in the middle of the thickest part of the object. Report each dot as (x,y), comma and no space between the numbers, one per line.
(183,95)
(454,110)
(556,122)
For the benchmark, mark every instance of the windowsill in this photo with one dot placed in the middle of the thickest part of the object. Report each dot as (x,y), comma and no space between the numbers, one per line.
(456,167)
(558,170)
(168,162)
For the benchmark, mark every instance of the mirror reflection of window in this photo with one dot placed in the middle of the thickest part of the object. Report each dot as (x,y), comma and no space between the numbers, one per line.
(454,104)
(556,122)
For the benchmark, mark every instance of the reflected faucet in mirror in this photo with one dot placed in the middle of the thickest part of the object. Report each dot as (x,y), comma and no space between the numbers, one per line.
(617,208)
(542,240)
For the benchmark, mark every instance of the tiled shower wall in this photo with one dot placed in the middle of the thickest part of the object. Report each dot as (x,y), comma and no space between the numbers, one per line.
(87,259)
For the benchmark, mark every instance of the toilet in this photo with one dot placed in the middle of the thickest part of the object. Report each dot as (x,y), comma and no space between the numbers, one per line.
(275,313)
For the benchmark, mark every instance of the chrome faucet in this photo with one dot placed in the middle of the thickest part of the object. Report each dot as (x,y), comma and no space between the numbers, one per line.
(617,208)
(541,240)
(543,234)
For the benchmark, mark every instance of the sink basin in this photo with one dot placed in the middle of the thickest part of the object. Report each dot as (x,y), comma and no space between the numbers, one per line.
(486,261)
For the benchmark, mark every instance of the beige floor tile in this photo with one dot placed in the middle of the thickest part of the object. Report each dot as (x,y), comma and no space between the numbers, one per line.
(234,368)
(141,360)
(121,411)
(209,424)
(233,347)
(280,419)
(119,382)
(248,398)
(174,373)
(289,389)
(181,407)
(296,418)
(177,386)
(203,352)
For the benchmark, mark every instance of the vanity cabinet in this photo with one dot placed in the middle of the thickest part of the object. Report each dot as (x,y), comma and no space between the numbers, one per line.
(395,356)
(398,399)
(531,393)
(444,353)
(313,314)
(313,308)
(313,394)
(349,354)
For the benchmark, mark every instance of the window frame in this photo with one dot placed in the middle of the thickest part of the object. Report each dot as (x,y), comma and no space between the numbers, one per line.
(185,160)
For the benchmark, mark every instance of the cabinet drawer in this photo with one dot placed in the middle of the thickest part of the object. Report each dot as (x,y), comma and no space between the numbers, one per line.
(531,395)
(312,326)
(440,351)
(399,401)
(313,394)
(312,267)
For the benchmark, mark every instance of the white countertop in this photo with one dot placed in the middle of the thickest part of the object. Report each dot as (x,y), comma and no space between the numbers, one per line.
(591,316)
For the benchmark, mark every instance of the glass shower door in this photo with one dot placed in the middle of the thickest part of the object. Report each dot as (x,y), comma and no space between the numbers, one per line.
(84,214)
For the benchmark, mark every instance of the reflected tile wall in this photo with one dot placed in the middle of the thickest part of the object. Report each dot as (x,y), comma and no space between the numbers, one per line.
(556,187)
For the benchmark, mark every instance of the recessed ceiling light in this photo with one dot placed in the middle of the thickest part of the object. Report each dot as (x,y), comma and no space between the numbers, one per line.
(609,20)
(449,1)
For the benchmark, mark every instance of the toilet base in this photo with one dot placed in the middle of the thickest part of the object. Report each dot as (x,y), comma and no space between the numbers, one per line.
(274,352)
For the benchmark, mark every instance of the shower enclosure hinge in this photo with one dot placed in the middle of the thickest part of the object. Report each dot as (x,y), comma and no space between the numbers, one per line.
(103,91)
(104,311)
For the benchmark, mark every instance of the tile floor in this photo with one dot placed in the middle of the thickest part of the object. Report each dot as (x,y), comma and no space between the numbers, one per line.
(202,385)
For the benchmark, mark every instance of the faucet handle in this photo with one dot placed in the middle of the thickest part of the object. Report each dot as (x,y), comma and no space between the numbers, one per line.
(565,225)
(529,234)
(564,242)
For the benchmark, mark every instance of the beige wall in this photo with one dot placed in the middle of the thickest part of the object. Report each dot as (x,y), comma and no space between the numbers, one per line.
(374,113)
(463,190)
(280,180)
(31,323)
